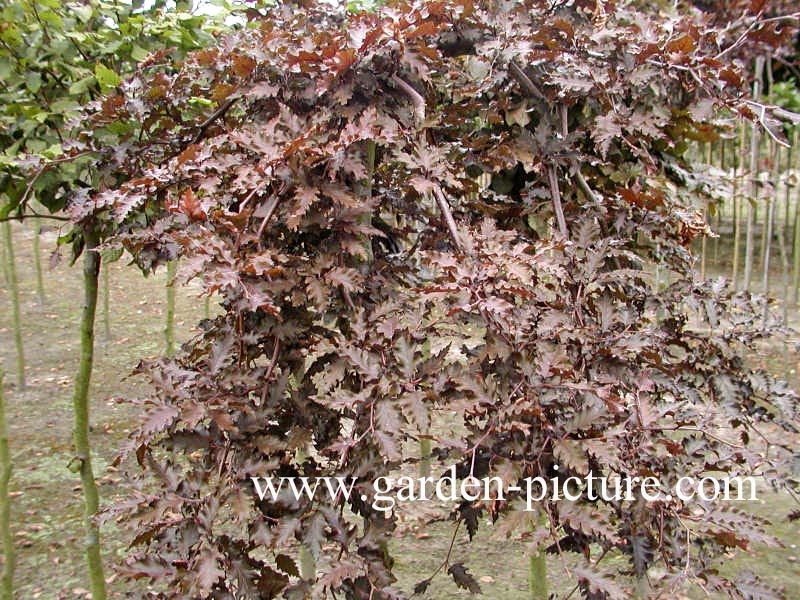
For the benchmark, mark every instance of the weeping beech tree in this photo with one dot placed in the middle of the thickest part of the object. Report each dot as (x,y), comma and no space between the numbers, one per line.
(319,173)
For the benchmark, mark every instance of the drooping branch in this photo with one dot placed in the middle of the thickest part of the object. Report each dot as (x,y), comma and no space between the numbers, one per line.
(416,99)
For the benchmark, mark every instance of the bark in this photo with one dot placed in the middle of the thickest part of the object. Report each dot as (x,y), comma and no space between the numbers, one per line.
(83,460)
(9,554)
(308,565)
(736,231)
(13,292)
(718,213)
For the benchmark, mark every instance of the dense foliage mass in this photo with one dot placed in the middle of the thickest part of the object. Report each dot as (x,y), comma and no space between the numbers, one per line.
(324,174)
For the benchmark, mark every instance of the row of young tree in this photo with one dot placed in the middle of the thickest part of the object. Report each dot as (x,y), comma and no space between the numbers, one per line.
(320,171)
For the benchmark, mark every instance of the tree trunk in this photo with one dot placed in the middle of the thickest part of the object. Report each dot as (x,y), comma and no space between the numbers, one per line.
(10,557)
(83,459)
(753,188)
(169,329)
(37,262)
(13,291)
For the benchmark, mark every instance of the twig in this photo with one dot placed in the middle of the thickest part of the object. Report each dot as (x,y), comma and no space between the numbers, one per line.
(753,25)
(446,561)
(448,216)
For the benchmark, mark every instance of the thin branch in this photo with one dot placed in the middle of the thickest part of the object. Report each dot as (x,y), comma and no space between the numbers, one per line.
(273,361)
(753,25)
(448,216)
(555,194)
(44,168)
(272,203)
(582,183)
(252,193)
(416,99)
(33,215)
(788,65)
(741,37)
(762,121)
(528,86)
(777,111)
(220,112)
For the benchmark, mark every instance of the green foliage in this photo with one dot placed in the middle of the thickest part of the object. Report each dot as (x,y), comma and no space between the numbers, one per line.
(54,58)
(786,95)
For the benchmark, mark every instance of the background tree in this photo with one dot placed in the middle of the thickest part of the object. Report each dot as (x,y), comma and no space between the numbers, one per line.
(6,535)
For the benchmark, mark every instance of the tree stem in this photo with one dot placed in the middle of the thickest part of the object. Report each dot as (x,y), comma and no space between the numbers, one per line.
(37,261)
(7,585)
(91,272)
(169,329)
(106,301)
(754,152)
(537,571)
(13,289)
